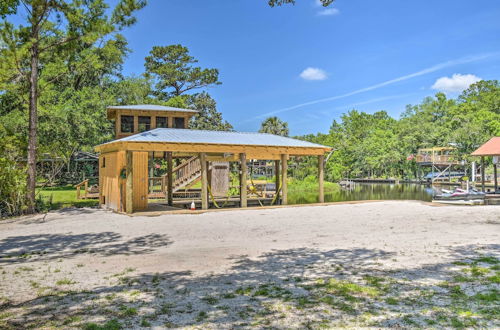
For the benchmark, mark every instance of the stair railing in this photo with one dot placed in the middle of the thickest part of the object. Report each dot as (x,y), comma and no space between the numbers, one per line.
(183,172)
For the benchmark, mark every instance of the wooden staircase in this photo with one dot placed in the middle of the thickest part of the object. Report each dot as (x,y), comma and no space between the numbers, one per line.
(183,176)
(186,174)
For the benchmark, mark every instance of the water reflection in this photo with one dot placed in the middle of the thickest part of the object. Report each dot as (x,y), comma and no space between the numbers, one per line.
(368,191)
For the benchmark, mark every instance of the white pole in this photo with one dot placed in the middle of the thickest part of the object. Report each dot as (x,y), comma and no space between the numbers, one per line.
(473,174)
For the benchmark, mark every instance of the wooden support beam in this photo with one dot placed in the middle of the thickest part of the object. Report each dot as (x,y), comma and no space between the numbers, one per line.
(284,186)
(170,166)
(243,180)
(129,185)
(136,124)
(277,177)
(482,174)
(204,181)
(321,176)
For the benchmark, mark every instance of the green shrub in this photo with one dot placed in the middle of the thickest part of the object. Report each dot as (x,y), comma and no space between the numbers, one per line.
(12,176)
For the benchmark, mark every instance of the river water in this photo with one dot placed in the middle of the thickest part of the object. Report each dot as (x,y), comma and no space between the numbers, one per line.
(368,191)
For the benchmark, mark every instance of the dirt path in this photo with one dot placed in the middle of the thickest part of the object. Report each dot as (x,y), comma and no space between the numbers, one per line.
(96,258)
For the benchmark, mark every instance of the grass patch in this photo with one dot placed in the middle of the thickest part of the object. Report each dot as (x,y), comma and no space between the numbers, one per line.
(65,281)
(488,297)
(201,316)
(346,288)
(110,325)
(488,260)
(391,301)
(244,291)
(228,295)
(211,300)
(166,308)
(128,311)
(64,196)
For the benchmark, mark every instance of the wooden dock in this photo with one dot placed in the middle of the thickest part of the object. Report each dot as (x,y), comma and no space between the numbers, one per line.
(492,199)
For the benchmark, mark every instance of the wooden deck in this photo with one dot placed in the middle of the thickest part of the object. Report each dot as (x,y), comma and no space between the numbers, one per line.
(222,202)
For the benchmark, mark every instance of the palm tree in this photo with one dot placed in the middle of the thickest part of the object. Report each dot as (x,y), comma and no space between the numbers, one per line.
(274,125)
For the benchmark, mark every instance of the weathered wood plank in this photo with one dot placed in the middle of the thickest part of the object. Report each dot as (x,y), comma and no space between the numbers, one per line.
(129,195)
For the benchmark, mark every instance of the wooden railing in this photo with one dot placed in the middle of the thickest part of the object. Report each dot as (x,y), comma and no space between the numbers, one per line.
(439,159)
(185,172)
(85,184)
(92,193)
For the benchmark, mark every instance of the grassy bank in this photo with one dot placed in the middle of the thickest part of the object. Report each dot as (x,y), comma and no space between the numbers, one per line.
(300,191)
(306,191)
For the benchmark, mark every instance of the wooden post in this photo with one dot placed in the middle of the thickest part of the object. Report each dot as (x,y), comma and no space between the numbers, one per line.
(170,191)
(243,180)
(284,187)
(277,177)
(204,181)
(496,178)
(321,176)
(482,174)
(118,125)
(129,188)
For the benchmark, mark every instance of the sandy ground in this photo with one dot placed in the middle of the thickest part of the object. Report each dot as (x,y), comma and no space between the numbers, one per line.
(181,259)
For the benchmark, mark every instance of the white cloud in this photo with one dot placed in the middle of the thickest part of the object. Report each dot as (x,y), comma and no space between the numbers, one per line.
(313,74)
(329,12)
(434,68)
(457,83)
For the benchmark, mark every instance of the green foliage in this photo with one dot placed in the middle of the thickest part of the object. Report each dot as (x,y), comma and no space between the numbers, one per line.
(208,117)
(172,69)
(110,325)
(12,175)
(376,145)
(274,125)
(57,61)
(63,196)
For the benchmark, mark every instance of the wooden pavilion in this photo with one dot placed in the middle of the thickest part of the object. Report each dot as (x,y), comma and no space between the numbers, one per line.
(123,163)
(489,149)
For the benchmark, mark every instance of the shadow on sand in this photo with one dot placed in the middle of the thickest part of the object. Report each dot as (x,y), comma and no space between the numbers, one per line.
(281,289)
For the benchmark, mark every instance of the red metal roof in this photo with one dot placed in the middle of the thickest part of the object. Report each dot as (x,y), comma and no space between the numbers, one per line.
(490,148)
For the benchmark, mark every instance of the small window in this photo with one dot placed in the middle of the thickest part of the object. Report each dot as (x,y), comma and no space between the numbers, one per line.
(103,163)
(161,122)
(127,124)
(144,123)
(179,122)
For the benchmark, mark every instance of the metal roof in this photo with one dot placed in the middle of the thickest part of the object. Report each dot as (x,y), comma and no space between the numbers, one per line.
(152,107)
(176,135)
(490,148)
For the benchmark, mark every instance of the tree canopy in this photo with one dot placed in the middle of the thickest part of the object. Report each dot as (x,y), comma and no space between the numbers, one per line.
(376,145)
(173,71)
(274,125)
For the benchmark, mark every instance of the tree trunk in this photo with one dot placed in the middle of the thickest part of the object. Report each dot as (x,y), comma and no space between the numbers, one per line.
(33,121)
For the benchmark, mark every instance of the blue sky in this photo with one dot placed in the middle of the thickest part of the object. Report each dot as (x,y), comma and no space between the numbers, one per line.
(308,66)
